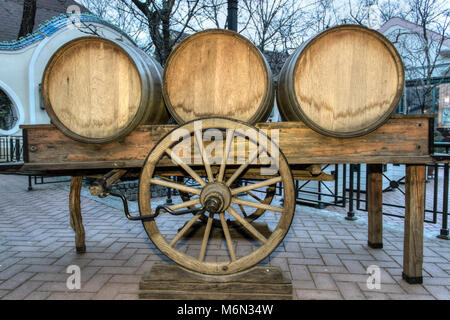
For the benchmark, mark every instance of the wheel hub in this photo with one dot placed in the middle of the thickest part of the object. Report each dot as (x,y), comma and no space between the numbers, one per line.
(215,197)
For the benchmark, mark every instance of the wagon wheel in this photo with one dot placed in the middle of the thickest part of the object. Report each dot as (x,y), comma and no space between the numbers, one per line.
(205,255)
(250,214)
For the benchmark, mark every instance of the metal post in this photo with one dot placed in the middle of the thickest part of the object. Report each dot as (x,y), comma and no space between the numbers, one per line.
(351,213)
(444,231)
(30,185)
(320,204)
(336,179)
(366,207)
(2,148)
(232,15)
(11,149)
(400,105)
(18,153)
(433,107)
(435,192)
(169,196)
(358,186)
(344,184)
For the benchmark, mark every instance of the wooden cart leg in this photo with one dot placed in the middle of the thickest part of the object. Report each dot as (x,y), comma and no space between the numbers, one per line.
(375,205)
(414,215)
(76,221)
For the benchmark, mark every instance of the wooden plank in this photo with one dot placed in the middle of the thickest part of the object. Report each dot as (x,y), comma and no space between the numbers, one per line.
(10,166)
(375,205)
(414,116)
(46,144)
(414,215)
(106,165)
(400,140)
(215,295)
(168,281)
(76,221)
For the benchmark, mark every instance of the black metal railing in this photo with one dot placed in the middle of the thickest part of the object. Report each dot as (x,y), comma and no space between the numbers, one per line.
(319,193)
(11,151)
(349,191)
(11,148)
(441,146)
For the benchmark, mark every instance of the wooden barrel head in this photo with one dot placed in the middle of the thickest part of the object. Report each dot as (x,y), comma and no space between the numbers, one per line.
(347,81)
(217,73)
(92,88)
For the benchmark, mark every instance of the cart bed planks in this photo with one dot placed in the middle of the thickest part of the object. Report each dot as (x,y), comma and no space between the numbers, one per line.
(403,139)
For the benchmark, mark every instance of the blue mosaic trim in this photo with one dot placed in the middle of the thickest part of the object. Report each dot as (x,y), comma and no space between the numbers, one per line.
(49,28)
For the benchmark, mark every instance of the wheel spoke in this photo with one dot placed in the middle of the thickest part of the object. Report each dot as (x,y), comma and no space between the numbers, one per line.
(184,204)
(254,196)
(257,205)
(187,226)
(261,184)
(226,232)
(188,169)
(205,239)
(176,186)
(247,225)
(242,210)
(243,166)
(199,140)
(163,178)
(228,142)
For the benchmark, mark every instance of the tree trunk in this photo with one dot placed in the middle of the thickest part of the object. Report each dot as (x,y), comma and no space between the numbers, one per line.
(28,16)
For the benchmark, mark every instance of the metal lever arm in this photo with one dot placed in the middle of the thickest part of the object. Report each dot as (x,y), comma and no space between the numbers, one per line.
(157,210)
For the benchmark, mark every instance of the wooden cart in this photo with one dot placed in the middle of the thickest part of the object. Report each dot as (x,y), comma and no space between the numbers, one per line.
(148,149)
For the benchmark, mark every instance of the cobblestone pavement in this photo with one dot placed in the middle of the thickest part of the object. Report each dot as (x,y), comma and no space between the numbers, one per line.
(325,255)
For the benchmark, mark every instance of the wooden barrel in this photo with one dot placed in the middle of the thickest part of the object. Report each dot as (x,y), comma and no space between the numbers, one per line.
(344,82)
(218,73)
(97,90)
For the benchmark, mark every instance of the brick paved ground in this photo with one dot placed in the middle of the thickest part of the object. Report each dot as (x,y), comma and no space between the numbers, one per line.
(325,256)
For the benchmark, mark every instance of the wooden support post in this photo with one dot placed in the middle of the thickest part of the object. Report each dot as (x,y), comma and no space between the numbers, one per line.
(375,205)
(414,216)
(76,221)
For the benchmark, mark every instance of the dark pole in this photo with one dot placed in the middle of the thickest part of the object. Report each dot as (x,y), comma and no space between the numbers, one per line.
(30,184)
(444,231)
(351,214)
(169,196)
(232,15)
